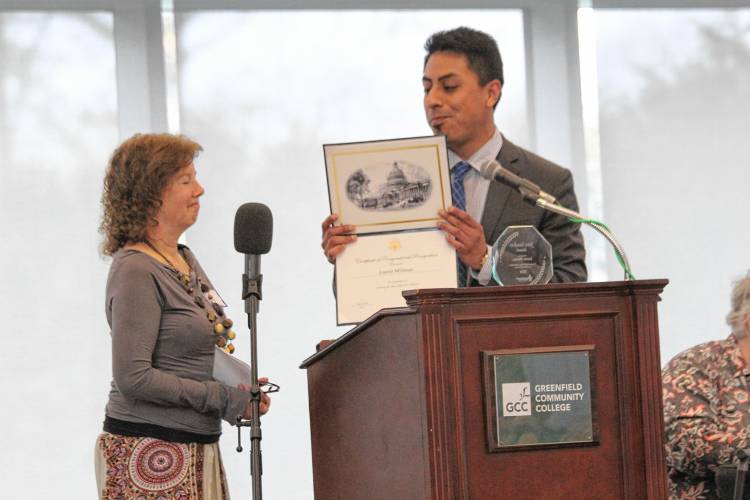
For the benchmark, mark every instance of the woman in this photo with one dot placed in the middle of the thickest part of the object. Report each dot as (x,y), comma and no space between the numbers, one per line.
(707,404)
(163,417)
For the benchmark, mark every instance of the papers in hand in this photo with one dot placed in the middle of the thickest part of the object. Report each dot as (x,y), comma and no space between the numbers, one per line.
(229,370)
(373,271)
(392,192)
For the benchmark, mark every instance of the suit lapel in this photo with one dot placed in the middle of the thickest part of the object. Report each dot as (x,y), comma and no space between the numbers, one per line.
(497,195)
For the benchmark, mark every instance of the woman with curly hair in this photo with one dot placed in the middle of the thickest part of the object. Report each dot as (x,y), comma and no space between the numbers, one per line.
(707,405)
(163,418)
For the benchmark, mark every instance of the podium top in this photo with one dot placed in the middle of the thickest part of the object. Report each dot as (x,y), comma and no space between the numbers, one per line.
(456,296)
(459,295)
(392,311)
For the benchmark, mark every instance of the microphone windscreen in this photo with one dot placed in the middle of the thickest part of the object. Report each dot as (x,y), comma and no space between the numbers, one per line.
(488,169)
(253,229)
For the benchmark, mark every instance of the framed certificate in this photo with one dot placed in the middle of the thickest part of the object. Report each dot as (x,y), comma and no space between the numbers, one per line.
(390,185)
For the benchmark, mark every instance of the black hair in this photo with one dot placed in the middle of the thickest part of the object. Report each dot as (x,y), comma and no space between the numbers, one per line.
(479,48)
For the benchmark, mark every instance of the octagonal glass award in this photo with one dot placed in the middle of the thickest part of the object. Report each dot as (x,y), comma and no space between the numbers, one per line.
(521,256)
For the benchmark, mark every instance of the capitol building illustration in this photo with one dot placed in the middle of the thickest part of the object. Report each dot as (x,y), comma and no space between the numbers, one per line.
(398,192)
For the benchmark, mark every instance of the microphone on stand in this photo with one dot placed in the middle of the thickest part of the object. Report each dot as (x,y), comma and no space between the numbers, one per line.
(533,194)
(253,231)
(492,170)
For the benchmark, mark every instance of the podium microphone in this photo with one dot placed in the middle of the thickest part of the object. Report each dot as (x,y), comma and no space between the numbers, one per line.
(492,170)
(253,231)
(533,194)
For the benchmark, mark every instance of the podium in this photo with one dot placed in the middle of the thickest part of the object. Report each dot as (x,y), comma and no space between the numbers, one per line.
(400,406)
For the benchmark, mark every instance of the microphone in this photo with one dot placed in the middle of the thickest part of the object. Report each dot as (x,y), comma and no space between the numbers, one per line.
(492,170)
(253,229)
(253,232)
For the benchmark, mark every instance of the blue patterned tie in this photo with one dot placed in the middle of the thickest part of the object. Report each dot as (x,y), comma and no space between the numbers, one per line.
(459,201)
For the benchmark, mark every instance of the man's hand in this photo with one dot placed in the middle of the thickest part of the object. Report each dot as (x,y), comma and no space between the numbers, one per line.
(335,238)
(465,235)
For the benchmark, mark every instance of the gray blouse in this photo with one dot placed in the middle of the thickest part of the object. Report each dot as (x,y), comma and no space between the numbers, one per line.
(163,349)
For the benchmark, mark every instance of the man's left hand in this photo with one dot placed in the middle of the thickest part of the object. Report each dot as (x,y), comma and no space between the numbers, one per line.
(465,235)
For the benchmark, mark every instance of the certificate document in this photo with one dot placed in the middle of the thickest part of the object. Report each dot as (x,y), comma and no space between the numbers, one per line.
(391,191)
(372,272)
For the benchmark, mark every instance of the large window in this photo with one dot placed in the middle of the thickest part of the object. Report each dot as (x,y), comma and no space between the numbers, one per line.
(58,123)
(262,90)
(674,102)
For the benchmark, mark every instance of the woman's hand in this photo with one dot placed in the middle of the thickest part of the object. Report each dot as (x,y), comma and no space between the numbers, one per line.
(265,399)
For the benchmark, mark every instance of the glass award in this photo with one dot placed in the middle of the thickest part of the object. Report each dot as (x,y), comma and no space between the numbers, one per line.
(521,256)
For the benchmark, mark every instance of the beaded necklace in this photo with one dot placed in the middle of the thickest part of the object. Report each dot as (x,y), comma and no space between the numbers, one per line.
(214,312)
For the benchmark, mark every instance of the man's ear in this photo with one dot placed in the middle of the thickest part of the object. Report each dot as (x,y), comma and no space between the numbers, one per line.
(494,92)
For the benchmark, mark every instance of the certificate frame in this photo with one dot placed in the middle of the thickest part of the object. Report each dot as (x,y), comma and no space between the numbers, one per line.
(388,185)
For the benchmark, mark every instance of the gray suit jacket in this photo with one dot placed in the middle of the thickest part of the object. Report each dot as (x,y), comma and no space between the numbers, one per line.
(505,207)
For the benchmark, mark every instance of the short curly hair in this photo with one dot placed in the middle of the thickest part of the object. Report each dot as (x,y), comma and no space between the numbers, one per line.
(738,317)
(136,176)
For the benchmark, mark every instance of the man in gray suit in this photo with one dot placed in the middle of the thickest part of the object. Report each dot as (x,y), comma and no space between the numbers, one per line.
(463,80)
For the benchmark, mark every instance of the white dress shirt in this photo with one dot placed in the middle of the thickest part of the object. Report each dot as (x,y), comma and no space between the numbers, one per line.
(476,188)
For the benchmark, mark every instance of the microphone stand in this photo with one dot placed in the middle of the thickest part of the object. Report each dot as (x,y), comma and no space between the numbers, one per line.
(252,294)
(739,478)
(546,204)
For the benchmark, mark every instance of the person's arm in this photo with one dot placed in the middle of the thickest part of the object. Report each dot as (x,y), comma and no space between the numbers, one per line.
(569,254)
(696,433)
(136,304)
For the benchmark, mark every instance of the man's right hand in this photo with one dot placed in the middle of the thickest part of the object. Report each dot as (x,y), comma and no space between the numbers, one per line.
(335,238)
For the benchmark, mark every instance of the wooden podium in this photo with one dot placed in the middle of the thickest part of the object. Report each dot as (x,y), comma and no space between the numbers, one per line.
(398,411)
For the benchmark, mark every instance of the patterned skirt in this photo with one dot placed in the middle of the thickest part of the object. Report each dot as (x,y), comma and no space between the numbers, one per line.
(151,469)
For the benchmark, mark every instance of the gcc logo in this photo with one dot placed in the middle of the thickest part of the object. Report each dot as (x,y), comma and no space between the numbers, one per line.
(516,399)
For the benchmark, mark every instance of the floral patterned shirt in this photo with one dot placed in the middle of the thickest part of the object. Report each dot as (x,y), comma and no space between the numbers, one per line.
(706,415)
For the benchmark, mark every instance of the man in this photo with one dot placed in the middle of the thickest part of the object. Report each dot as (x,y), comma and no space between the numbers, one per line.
(463,80)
